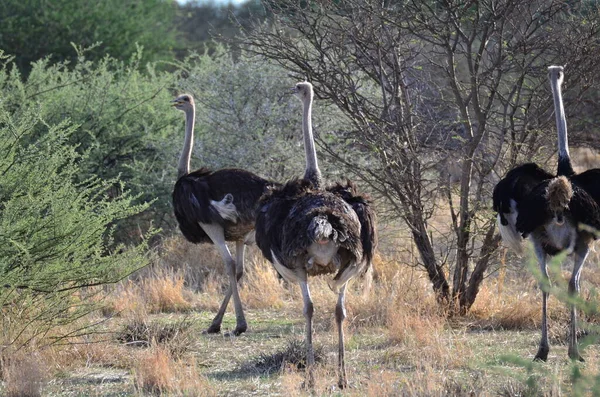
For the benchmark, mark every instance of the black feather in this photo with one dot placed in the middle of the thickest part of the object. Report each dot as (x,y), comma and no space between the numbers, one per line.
(362,205)
(527,186)
(284,219)
(516,185)
(193,193)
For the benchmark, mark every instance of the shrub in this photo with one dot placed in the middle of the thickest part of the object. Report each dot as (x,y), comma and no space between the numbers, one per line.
(56,226)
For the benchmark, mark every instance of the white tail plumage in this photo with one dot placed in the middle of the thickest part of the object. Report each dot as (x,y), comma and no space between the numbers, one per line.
(225,208)
(510,236)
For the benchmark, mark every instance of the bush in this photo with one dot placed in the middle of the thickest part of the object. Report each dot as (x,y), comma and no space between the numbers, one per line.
(57,225)
(122,124)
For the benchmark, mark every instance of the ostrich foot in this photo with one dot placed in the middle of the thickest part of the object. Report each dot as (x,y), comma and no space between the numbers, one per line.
(342,383)
(542,354)
(213,329)
(240,329)
(574,355)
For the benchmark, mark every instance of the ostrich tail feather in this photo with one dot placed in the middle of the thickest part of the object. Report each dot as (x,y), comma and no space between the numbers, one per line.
(510,236)
(225,208)
(559,194)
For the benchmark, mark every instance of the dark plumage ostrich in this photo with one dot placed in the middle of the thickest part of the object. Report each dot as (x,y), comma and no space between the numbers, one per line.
(551,210)
(215,207)
(305,230)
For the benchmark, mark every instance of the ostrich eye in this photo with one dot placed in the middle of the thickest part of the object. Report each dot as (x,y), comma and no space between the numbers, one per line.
(187,99)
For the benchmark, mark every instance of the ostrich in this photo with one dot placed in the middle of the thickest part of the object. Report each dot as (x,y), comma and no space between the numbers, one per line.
(551,210)
(305,230)
(216,206)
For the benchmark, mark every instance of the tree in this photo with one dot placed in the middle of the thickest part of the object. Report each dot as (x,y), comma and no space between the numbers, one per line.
(35,29)
(246,115)
(126,128)
(456,83)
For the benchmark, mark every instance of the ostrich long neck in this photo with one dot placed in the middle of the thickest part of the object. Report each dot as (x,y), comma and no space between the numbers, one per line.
(312,172)
(564,160)
(184,161)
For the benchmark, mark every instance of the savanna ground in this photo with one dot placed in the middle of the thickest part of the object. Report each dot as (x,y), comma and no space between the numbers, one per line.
(149,339)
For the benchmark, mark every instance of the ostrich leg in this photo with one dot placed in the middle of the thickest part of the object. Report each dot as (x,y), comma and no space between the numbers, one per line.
(310,353)
(215,326)
(542,354)
(580,255)
(216,234)
(340,315)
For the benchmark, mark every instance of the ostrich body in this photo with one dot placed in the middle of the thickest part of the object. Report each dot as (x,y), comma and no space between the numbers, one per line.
(305,230)
(549,209)
(215,207)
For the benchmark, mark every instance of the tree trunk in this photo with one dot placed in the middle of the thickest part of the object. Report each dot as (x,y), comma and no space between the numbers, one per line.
(463,236)
(434,270)
(490,244)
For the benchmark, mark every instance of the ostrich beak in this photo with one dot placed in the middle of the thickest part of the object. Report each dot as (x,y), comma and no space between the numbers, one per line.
(175,102)
(294,90)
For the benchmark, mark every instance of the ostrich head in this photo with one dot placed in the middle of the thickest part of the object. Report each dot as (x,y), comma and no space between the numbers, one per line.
(303,90)
(556,72)
(184,102)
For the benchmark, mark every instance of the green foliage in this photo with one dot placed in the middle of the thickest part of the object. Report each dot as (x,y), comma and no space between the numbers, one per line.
(55,228)
(34,29)
(247,117)
(125,125)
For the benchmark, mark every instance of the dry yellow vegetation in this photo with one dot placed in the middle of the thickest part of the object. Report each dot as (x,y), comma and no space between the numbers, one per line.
(148,337)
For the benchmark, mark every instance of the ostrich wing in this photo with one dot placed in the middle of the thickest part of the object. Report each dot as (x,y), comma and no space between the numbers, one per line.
(194,192)
(584,209)
(533,210)
(590,182)
(273,208)
(285,214)
(366,216)
(191,203)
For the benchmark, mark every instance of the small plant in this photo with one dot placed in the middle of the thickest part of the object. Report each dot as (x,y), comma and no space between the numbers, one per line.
(293,355)
(173,336)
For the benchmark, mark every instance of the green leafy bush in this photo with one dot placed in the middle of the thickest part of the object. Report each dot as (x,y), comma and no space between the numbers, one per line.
(55,228)
(126,127)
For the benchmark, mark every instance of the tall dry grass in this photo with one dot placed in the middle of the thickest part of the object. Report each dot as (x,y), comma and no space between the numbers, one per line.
(157,372)
(159,290)
(261,287)
(24,374)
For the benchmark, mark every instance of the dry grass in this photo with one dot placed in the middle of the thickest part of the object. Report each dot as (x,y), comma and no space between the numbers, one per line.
(585,158)
(141,332)
(85,352)
(24,375)
(428,382)
(157,291)
(261,288)
(199,262)
(398,342)
(156,372)
(293,356)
